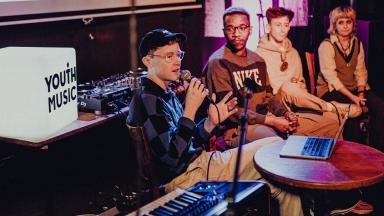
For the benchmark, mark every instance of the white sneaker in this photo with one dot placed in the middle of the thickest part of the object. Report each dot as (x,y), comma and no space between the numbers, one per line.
(359,208)
(342,109)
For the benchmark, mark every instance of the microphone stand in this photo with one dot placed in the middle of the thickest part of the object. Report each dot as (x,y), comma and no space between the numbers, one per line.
(260,17)
(243,132)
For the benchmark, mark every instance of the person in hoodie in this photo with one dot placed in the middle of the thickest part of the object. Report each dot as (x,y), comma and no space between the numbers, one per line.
(226,71)
(286,77)
(285,69)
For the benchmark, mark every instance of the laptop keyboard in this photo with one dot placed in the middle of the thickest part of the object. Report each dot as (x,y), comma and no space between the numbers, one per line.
(316,147)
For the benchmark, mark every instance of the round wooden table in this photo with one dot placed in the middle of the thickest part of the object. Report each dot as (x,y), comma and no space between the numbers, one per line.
(350,166)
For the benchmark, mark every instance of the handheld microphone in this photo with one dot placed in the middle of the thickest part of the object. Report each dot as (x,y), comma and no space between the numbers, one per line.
(185,75)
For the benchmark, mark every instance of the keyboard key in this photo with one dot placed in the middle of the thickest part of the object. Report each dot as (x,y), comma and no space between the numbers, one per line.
(174,205)
(182,199)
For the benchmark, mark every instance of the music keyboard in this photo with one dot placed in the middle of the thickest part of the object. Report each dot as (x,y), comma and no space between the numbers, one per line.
(209,198)
(181,202)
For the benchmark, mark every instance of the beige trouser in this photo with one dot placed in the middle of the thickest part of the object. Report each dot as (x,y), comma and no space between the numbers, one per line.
(322,125)
(222,168)
(310,124)
(254,132)
(294,96)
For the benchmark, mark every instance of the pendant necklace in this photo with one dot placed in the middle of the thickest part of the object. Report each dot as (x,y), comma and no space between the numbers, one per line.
(283,57)
(345,50)
(284,64)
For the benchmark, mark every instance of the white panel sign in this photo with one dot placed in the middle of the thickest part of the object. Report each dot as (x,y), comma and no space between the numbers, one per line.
(213,24)
(38,89)
(301,11)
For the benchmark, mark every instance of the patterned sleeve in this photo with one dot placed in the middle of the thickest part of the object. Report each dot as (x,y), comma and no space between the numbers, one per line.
(201,136)
(169,141)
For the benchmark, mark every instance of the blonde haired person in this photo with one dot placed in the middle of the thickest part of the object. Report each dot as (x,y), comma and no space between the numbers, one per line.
(339,45)
(343,76)
(285,69)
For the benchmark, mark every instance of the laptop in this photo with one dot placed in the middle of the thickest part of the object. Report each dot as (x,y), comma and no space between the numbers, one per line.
(318,148)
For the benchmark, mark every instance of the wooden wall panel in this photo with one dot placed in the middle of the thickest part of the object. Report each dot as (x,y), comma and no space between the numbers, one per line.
(109,51)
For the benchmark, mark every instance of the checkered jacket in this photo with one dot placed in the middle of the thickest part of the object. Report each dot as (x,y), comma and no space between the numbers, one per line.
(175,141)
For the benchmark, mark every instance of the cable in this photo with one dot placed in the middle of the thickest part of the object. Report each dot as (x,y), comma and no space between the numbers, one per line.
(214,152)
(118,112)
(209,162)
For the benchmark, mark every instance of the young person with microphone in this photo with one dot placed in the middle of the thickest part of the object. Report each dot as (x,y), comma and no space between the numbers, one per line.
(177,143)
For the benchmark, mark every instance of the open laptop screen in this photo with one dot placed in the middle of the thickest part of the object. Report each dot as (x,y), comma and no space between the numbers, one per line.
(319,148)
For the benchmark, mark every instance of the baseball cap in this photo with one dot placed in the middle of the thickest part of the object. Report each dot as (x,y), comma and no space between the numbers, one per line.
(158,38)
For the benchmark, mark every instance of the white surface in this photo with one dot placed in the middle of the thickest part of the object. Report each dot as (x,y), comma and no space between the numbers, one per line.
(24,110)
(301,11)
(213,24)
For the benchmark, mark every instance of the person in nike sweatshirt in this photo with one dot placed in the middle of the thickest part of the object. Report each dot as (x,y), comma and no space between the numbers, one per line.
(226,71)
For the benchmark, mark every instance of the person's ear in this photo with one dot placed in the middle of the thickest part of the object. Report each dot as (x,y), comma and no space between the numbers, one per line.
(250,30)
(147,61)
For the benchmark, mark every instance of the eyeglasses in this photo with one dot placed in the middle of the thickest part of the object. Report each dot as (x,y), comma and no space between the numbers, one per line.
(170,56)
(232,29)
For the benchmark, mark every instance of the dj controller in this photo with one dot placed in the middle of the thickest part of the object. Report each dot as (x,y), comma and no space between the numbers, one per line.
(108,94)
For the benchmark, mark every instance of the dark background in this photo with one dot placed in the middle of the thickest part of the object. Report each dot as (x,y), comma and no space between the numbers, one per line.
(77,175)
(109,52)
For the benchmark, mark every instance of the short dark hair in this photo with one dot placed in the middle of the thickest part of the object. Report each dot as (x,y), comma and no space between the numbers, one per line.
(158,38)
(276,12)
(234,10)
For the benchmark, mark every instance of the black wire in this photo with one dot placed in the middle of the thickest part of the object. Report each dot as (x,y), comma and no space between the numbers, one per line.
(119,112)
(5,159)
(210,157)
(209,163)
